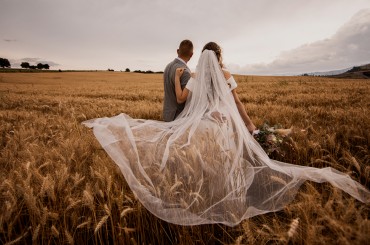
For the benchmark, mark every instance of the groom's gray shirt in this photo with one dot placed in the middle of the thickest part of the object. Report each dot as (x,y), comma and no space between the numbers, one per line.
(171,109)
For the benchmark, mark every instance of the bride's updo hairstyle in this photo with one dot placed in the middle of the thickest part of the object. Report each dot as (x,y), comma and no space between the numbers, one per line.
(217,49)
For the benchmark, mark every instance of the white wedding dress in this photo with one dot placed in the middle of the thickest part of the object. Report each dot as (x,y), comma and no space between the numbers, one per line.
(205,167)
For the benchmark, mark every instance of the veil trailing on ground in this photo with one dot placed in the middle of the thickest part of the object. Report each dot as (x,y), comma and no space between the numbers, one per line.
(205,167)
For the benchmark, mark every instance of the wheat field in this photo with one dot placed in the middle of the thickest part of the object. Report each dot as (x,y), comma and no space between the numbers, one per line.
(58,186)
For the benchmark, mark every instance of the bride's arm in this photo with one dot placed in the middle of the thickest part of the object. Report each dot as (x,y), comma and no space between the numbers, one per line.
(247,121)
(181,95)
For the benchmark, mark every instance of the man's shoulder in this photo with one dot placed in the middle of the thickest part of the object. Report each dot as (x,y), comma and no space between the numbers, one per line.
(177,63)
(170,65)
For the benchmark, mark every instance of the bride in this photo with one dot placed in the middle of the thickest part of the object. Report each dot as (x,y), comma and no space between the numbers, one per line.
(205,167)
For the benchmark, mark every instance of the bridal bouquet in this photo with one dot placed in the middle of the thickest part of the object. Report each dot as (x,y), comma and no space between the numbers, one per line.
(270,138)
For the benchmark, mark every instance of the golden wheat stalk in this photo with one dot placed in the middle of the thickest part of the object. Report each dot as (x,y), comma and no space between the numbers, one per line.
(278,179)
(36,233)
(239,240)
(68,237)
(54,231)
(17,240)
(73,204)
(88,199)
(293,227)
(101,223)
(126,211)
(86,223)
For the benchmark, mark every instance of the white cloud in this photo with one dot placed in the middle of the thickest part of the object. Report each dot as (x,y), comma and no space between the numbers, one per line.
(349,46)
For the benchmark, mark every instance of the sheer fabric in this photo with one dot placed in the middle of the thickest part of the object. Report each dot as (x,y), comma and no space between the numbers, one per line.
(230,82)
(205,167)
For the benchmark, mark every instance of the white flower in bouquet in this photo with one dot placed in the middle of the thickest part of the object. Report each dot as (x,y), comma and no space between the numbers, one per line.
(271,138)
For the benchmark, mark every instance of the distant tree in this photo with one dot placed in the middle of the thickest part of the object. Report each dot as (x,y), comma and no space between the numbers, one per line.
(25,65)
(4,63)
(40,66)
(46,66)
(127,70)
(305,75)
(355,68)
(138,71)
(33,67)
(110,69)
(367,73)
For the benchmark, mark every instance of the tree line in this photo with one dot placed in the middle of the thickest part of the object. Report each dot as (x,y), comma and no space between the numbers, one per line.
(39,66)
(4,63)
(140,71)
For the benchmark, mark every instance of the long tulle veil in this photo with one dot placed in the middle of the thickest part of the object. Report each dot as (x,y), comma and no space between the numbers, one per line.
(205,167)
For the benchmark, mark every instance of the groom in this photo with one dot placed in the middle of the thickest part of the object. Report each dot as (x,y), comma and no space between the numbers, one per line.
(171,109)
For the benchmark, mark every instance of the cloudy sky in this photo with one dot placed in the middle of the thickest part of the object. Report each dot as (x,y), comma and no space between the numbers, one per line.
(257,37)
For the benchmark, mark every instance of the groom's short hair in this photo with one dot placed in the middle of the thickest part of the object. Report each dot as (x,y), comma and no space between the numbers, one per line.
(185,48)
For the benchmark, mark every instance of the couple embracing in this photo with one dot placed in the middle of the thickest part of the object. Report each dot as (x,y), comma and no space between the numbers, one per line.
(202,165)
(175,95)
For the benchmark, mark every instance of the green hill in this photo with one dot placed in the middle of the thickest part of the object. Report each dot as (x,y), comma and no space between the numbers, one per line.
(361,72)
